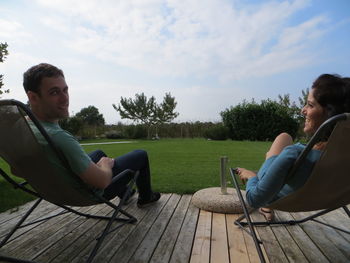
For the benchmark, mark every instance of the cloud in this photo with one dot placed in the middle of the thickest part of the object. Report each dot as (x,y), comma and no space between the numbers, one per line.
(13,31)
(184,38)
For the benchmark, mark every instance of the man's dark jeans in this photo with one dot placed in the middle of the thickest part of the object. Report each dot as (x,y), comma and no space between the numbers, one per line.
(136,160)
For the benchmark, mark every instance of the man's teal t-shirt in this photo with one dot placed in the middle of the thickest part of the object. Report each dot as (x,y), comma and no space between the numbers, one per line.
(75,155)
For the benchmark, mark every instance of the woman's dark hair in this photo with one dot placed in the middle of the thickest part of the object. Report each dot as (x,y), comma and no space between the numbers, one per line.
(33,76)
(332,92)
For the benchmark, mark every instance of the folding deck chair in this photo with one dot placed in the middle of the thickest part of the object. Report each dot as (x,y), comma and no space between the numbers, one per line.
(327,189)
(20,148)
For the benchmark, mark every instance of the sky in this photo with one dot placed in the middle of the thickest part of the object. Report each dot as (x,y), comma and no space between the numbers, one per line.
(209,54)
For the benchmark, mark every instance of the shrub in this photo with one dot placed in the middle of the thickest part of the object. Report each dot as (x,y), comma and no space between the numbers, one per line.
(217,132)
(72,124)
(252,121)
(114,134)
(136,132)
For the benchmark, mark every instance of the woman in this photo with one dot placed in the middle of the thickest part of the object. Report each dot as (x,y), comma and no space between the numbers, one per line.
(329,96)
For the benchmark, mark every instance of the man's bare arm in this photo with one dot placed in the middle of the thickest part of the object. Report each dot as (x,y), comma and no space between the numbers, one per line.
(99,175)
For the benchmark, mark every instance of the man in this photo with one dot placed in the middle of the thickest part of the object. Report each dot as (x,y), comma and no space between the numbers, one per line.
(48,96)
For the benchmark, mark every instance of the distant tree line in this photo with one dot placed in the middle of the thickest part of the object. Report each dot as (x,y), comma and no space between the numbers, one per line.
(245,121)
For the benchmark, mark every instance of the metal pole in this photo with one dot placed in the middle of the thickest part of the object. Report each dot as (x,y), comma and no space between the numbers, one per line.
(223,168)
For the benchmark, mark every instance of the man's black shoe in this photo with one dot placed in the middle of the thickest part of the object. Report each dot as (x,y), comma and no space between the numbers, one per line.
(144,203)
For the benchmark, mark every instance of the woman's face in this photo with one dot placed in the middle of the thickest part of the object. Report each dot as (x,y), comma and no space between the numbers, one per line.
(314,114)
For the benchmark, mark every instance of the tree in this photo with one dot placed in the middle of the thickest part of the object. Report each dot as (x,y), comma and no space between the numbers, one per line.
(91,116)
(292,108)
(164,112)
(72,124)
(3,54)
(147,111)
(303,98)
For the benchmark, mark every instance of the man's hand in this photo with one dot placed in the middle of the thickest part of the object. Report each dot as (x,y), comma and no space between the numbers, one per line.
(106,163)
(245,174)
(100,174)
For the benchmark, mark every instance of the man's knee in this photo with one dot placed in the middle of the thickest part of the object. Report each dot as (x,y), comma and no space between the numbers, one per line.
(141,154)
(97,155)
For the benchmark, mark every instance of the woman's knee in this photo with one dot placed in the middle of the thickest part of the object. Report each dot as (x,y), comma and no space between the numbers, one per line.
(281,141)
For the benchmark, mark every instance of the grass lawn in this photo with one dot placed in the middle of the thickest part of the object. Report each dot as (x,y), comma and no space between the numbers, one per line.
(177,165)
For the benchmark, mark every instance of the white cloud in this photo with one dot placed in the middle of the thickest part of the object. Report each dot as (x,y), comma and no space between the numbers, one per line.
(183,38)
(209,54)
(13,31)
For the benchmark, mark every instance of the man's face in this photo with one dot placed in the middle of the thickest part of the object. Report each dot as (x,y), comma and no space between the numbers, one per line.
(52,103)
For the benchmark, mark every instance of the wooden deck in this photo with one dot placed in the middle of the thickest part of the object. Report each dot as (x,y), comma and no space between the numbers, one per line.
(173,230)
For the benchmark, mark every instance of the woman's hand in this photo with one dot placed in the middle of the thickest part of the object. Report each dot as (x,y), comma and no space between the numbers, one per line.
(245,174)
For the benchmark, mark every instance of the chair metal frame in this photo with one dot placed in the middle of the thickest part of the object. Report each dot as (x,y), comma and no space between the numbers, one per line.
(326,126)
(128,218)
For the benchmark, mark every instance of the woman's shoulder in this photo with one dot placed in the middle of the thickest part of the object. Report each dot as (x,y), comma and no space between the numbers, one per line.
(294,148)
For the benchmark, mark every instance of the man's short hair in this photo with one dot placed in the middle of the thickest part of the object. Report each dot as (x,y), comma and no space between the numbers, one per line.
(32,77)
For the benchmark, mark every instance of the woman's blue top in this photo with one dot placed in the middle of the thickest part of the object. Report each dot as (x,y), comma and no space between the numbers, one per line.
(269,184)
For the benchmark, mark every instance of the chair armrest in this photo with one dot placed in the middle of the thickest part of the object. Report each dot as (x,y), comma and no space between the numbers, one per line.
(122,175)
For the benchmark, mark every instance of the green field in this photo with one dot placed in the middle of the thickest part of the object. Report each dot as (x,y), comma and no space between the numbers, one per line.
(177,165)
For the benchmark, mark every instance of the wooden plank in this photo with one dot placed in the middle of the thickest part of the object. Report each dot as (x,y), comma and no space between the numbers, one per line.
(40,212)
(115,239)
(338,218)
(287,243)
(149,243)
(318,234)
(183,246)
(270,242)
(243,247)
(237,248)
(251,249)
(219,246)
(338,240)
(166,232)
(128,248)
(44,235)
(165,247)
(22,235)
(201,246)
(15,212)
(82,236)
(306,245)
(66,236)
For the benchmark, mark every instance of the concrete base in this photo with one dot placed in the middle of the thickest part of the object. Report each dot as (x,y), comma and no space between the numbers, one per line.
(211,199)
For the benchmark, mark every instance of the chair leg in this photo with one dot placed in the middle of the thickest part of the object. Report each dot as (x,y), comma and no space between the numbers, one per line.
(300,221)
(246,215)
(10,259)
(102,237)
(117,209)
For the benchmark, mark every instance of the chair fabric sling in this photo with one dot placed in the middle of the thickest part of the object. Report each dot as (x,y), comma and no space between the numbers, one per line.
(20,148)
(327,189)
(333,168)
